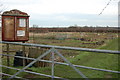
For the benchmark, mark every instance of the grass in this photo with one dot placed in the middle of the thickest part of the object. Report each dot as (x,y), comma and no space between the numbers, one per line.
(70,39)
(100,60)
(111,45)
(97,60)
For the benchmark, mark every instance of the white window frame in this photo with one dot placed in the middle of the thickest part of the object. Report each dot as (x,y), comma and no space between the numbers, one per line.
(22,22)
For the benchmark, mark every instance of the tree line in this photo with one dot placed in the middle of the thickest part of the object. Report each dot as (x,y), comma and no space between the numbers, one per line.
(75,29)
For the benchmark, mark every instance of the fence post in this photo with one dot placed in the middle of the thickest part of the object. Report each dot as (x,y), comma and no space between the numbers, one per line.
(8,61)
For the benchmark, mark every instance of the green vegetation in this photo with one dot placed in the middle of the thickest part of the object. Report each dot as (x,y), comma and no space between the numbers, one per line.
(90,59)
(73,39)
(97,60)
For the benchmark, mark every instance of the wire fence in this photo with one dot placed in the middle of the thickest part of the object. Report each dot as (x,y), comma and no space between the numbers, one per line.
(52,50)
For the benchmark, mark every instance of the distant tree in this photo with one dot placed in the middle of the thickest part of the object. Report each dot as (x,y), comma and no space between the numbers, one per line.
(35,26)
(75,25)
(85,26)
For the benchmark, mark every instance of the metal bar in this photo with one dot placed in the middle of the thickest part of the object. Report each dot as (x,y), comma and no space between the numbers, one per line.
(79,72)
(41,56)
(86,67)
(32,72)
(52,71)
(23,48)
(79,66)
(15,76)
(8,61)
(63,47)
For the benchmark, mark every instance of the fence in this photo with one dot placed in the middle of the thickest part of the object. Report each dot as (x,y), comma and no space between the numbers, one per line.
(53,50)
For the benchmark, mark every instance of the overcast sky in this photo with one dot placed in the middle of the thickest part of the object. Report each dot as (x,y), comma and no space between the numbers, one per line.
(67,12)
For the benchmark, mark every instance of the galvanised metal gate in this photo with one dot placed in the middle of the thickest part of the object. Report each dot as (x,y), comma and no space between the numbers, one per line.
(53,50)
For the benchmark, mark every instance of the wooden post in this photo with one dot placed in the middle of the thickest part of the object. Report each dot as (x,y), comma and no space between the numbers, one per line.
(23,49)
(8,61)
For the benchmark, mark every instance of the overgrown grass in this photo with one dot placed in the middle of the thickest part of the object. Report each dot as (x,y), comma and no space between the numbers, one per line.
(72,39)
(97,60)
(91,59)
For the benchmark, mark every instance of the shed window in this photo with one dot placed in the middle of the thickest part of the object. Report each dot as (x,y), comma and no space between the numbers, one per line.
(22,22)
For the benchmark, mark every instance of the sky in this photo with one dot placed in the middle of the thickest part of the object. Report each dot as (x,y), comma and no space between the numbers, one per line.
(65,13)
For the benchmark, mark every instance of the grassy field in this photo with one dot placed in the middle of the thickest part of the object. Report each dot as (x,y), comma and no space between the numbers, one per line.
(74,39)
(90,59)
(97,60)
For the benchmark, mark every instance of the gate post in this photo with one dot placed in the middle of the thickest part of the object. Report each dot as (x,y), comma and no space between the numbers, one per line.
(8,61)
(53,63)
(23,49)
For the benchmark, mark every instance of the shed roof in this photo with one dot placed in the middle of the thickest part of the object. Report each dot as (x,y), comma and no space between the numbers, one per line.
(14,12)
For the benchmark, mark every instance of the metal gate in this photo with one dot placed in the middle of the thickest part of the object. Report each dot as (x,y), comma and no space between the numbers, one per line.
(53,50)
